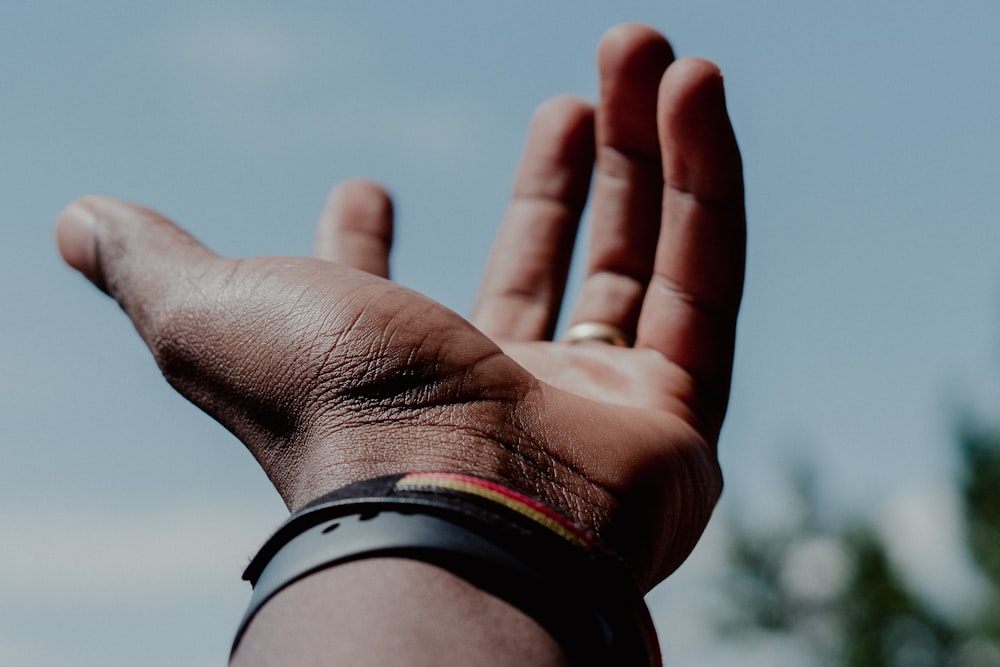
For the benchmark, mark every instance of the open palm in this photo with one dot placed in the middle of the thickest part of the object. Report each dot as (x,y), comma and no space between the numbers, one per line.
(331,373)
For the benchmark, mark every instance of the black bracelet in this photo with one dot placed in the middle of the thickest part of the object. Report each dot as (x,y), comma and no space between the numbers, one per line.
(499,540)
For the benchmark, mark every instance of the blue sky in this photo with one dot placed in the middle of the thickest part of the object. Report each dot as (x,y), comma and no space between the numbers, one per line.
(870,143)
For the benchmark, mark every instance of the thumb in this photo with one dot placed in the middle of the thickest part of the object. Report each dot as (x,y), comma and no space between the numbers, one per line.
(135,255)
(204,333)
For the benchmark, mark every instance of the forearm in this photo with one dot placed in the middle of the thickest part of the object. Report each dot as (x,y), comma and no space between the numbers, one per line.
(392,611)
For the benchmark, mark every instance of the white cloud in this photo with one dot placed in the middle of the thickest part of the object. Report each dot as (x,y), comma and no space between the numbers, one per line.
(277,80)
(107,554)
(237,53)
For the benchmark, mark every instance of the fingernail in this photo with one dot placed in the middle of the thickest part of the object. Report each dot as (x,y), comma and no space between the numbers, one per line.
(75,234)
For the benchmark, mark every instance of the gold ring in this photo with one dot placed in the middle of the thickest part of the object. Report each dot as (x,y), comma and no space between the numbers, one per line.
(596,331)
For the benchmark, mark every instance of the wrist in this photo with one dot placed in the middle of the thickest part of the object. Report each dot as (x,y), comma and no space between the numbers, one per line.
(480,438)
(497,539)
(338,463)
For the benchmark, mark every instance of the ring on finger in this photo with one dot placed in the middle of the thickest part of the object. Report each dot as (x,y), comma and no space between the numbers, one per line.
(598,332)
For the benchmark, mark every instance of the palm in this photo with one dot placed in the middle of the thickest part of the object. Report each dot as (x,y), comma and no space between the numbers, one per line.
(626,377)
(618,428)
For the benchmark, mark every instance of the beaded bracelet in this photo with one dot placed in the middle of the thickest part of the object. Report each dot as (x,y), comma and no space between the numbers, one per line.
(500,540)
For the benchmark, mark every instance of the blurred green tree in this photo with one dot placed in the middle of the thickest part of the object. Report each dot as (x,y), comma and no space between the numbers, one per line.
(835,590)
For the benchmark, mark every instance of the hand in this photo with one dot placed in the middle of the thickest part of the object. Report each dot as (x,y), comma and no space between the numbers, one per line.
(330,373)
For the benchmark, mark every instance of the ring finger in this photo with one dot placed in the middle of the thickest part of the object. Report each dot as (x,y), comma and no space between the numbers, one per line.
(628,183)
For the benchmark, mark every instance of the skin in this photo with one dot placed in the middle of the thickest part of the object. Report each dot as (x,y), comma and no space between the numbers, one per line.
(330,373)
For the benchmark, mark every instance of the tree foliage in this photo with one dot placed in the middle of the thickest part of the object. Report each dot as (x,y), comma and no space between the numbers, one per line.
(835,589)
